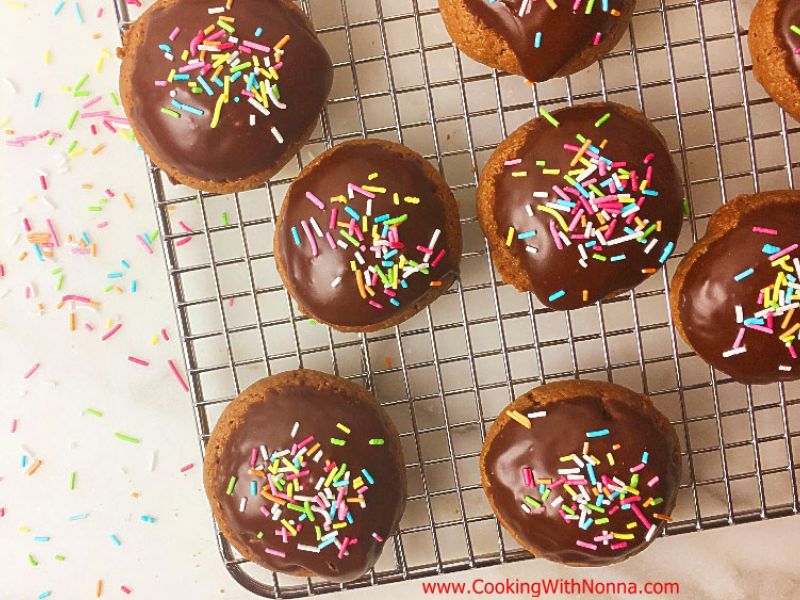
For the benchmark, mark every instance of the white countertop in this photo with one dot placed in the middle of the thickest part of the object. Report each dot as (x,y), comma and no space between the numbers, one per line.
(175,556)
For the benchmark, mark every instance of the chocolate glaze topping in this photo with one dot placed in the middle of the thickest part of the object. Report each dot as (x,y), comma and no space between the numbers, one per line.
(788,15)
(710,294)
(321,278)
(233,149)
(562,432)
(560,276)
(318,412)
(564,32)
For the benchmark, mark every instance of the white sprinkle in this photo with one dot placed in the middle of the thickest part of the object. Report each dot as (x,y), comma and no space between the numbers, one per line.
(252,120)
(152,461)
(242,504)
(315,225)
(434,239)
(258,106)
(650,533)
(536,195)
(785,368)
(264,452)
(275,101)
(734,352)
(295,428)
(739,313)
(306,548)
(531,249)
(538,414)
(529,210)
(336,281)
(216,10)
(277,134)
(651,245)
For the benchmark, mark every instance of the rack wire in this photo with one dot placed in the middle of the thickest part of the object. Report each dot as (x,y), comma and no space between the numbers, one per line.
(446,373)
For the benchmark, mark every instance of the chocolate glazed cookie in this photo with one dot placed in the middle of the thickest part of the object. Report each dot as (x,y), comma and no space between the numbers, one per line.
(538,39)
(368,235)
(583,473)
(774,41)
(581,204)
(305,475)
(734,295)
(220,99)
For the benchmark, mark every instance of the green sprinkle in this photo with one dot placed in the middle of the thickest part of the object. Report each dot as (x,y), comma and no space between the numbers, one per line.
(57,271)
(260,534)
(80,85)
(231,485)
(126,438)
(94,412)
(72,480)
(685,207)
(225,218)
(170,112)
(72,146)
(531,502)
(795,29)
(60,282)
(599,123)
(33,561)
(376,442)
(60,557)
(337,442)
(549,118)
(114,98)
(601,521)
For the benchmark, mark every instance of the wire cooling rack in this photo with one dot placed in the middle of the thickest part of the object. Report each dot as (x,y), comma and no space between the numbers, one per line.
(446,373)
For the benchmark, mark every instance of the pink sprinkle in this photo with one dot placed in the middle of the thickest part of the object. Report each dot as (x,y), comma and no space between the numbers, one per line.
(256,46)
(2,270)
(648,158)
(102,225)
(125,589)
(784,252)
(792,350)
(31,371)
(100,12)
(145,244)
(598,36)
(26,224)
(92,102)
(317,202)
(43,182)
(253,457)
(174,34)
(635,508)
(187,467)
(438,258)
(185,227)
(277,553)
(2,512)
(765,230)
(343,549)
(739,338)
(183,241)
(265,512)
(586,545)
(138,361)
(178,376)
(377,537)
(653,481)
(637,468)
(511,163)
(111,331)
(13,425)
(375,304)
(191,67)
(334,214)
(619,545)
(352,187)
(165,335)
(312,240)
(75,298)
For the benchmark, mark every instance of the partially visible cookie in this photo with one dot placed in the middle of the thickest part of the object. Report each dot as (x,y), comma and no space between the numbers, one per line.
(584,473)
(221,95)
(734,295)
(538,39)
(368,236)
(305,475)
(774,41)
(581,204)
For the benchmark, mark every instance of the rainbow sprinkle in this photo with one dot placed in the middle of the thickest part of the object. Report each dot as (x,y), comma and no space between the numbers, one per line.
(309,495)
(382,262)
(776,302)
(589,491)
(594,206)
(222,63)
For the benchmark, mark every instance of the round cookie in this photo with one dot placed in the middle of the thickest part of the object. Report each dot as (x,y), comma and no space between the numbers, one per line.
(274,471)
(221,98)
(581,204)
(537,39)
(733,296)
(368,235)
(583,473)
(775,49)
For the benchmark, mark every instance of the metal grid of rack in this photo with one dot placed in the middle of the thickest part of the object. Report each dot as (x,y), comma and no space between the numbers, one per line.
(446,373)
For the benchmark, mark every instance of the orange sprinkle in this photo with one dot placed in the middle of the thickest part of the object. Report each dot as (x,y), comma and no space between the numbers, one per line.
(662,517)
(98,149)
(272,498)
(72,321)
(388,362)
(34,467)
(128,200)
(282,42)
(23,256)
(436,283)
(87,186)
(98,591)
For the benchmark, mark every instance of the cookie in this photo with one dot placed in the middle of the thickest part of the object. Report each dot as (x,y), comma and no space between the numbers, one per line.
(536,38)
(581,204)
(774,41)
(221,98)
(305,475)
(583,473)
(734,294)
(368,235)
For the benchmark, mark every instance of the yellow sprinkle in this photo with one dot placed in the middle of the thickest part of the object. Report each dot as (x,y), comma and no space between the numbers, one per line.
(99,66)
(47,55)
(510,236)
(554,213)
(217,110)
(623,536)
(519,418)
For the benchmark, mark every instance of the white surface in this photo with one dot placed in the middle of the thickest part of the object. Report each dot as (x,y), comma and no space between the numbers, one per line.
(176,556)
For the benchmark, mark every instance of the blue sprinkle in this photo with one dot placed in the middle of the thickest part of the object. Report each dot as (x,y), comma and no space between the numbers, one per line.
(79,517)
(557,295)
(744,274)
(394,301)
(367,476)
(524,235)
(350,211)
(645,457)
(125,264)
(134,286)
(258,32)
(650,193)
(78,13)
(537,41)
(41,538)
(597,433)
(667,251)
(148,519)
(295,236)
(327,542)
(253,488)
(181,77)
(188,108)
(770,249)
(618,257)
(36,99)
(218,81)
(165,48)
(349,518)
(206,87)
(115,539)
(382,218)
(236,76)
(587,523)
(591,243)
(114,275)
(44,595)
(23,461)
(58,7)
